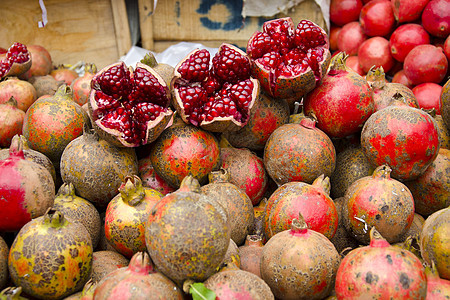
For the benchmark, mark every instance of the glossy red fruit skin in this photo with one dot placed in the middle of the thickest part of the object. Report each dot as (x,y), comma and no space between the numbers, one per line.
(345,11)
(400,77)
(41,60)
(436,18)
(425,63)
(342,102)
(380,271)
(377,18)
(405,38)
(428,95)
(403,137)
(408,11)
(312,201)
(353,63)
(351,37)
(334,34)
(23,91)
(375,51)
(447,48)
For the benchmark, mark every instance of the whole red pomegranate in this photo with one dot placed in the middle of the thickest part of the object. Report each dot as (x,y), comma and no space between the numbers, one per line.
(350,38)
(299,263)
(408,10)
(64,73)
(81,86)
(139,280)
(299,152)
(353,63)
(11,120)
(377,18)
(400,77)
(333,36)
(380,271)
(436,18)
(152,180)
(425,63)
(183,149)
(129,107)
(289,61)
(437,288)
(41,60)
(375,52)
(26,189)
(219,96)
(250,254)
(447,47)
(403,137)
(16,61)
(51,123)
(23,91)
(345,11)
(311,200)
(405,38)
(428,96)
(342,102)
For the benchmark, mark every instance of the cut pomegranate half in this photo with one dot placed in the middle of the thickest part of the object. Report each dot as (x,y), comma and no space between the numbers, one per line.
(129,107)
(289,61)
(216,96)
(16,61)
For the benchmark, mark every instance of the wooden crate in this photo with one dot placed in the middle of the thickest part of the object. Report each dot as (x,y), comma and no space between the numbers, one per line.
(209,22)
(93,31)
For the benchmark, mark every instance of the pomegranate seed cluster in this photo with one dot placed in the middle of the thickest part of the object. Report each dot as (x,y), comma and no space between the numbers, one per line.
(18,53)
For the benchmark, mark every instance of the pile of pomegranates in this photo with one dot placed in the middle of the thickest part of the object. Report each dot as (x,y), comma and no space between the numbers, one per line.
(310,165)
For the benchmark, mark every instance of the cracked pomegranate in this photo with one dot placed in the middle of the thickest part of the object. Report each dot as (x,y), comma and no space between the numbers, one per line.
(289,61)
(129,107)
(16,62)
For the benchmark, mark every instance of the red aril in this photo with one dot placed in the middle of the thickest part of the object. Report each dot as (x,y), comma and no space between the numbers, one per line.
(377,18)
(400,77)
(351,37)
(405,38)
(16,61)
(408,10)
(425,63)
(428,95)
(375,52)
(344,11)
(436,18)
(353,63)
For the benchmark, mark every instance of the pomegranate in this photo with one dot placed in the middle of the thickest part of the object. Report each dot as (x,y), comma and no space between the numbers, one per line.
(51,123)
(41,60)
(403,137)
(428,96)
(11,119)
(64,73)
(187,233)
(342,102)
(23,91)
(129,107)
(139,280)
(378,201)
(219,97)
(408,11)
(342,239)
(166,71)
(45,85)
(400,77)
(437,288)
(183,149)
(289,61)
(350,38)
(105,262)
(445,104)
(431,190)
(16,61)
(26,189)
(444,133)
(250,254)
(425,63)
(311,200)
(96,168)
(235,201)
(246,170)
(375,52)
(381,271)
(377,18)
(4,274)
(299,152)
(333,37)
(268,114)
(446,47)
(78,210)
(352,62)
(232,255)
(405,38)
(51,257)
(436,18)
(81,86)
(434,242)
(299,263)
(127,214)
(345,11)
(152,180)
(386,93)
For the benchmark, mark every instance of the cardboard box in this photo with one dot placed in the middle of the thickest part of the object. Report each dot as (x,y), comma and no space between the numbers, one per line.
(209,22)
(93,31)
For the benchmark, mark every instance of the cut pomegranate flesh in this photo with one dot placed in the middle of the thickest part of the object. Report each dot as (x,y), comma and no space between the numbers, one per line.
(16,55)
(221,90)
(126,101)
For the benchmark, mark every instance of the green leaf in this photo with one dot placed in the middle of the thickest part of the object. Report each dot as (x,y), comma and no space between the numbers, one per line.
(200,292)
